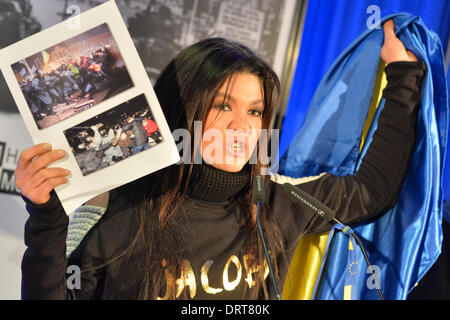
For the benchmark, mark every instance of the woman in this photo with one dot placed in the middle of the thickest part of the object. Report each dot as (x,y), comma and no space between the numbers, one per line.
(189,231)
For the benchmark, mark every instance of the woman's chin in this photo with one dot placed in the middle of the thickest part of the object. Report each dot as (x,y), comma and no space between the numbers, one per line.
(229,167)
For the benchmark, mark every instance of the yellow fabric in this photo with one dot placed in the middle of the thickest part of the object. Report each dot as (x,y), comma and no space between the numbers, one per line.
(380,84)
(304,268)
(348,292)
(305,264)
(46,57)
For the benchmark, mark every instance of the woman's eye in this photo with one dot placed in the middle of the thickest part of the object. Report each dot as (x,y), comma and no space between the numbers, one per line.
(255,113)
(223,107)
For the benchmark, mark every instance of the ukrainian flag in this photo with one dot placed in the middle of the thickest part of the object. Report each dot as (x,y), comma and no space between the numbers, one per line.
(406,241)
(45,57)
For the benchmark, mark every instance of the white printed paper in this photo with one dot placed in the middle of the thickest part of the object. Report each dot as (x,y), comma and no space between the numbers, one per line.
(81,86)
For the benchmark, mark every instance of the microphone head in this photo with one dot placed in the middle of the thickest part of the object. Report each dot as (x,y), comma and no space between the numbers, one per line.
(259,193)
(307,201)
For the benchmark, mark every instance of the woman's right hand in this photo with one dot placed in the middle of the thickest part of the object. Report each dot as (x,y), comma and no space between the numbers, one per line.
(34,180)
(393,49)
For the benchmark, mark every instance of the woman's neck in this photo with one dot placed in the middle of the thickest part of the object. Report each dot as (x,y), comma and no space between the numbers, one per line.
(210,184)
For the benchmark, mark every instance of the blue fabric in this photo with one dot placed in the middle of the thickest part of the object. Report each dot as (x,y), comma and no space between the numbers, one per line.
(446,215)
(329,28)
(352,273)
(406,241)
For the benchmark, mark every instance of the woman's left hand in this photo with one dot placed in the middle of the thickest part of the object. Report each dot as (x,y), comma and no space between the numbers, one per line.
(393,49)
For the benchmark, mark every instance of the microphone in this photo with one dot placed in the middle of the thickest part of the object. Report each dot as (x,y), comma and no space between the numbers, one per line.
(328,214)
(318,207)
(259,197)
(259,193)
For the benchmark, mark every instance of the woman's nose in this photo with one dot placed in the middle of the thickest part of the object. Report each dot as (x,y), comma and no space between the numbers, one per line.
(239,122)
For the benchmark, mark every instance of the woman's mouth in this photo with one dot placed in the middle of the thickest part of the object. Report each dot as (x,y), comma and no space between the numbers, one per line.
(237,149)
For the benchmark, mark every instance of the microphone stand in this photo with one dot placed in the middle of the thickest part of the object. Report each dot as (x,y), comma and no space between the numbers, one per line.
(259,198)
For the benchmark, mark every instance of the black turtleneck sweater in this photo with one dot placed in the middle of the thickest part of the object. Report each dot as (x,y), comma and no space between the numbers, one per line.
(215,262)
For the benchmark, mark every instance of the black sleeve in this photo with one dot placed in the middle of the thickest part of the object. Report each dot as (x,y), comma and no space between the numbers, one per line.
(376,185)
(44,261)
(47,273)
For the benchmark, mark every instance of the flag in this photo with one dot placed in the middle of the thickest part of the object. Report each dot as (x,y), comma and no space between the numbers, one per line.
(405,242)
(45,57)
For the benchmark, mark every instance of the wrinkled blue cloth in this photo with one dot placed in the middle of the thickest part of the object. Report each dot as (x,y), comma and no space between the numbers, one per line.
(406,241)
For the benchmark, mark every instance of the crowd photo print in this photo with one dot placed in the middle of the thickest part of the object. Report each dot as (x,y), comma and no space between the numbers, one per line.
(72,76)
(113,136)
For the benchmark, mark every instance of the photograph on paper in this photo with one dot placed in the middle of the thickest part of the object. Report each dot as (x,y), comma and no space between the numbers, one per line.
(114,135)
(81,86)
(75,75)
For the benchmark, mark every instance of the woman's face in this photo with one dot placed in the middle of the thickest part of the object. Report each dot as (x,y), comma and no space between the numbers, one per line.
(233,123)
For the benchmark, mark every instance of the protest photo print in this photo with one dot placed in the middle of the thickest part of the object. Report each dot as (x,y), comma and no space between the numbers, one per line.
(72,76)
(113,136)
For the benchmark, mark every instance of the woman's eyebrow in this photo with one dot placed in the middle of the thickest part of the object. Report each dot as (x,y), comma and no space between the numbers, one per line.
(233,99)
